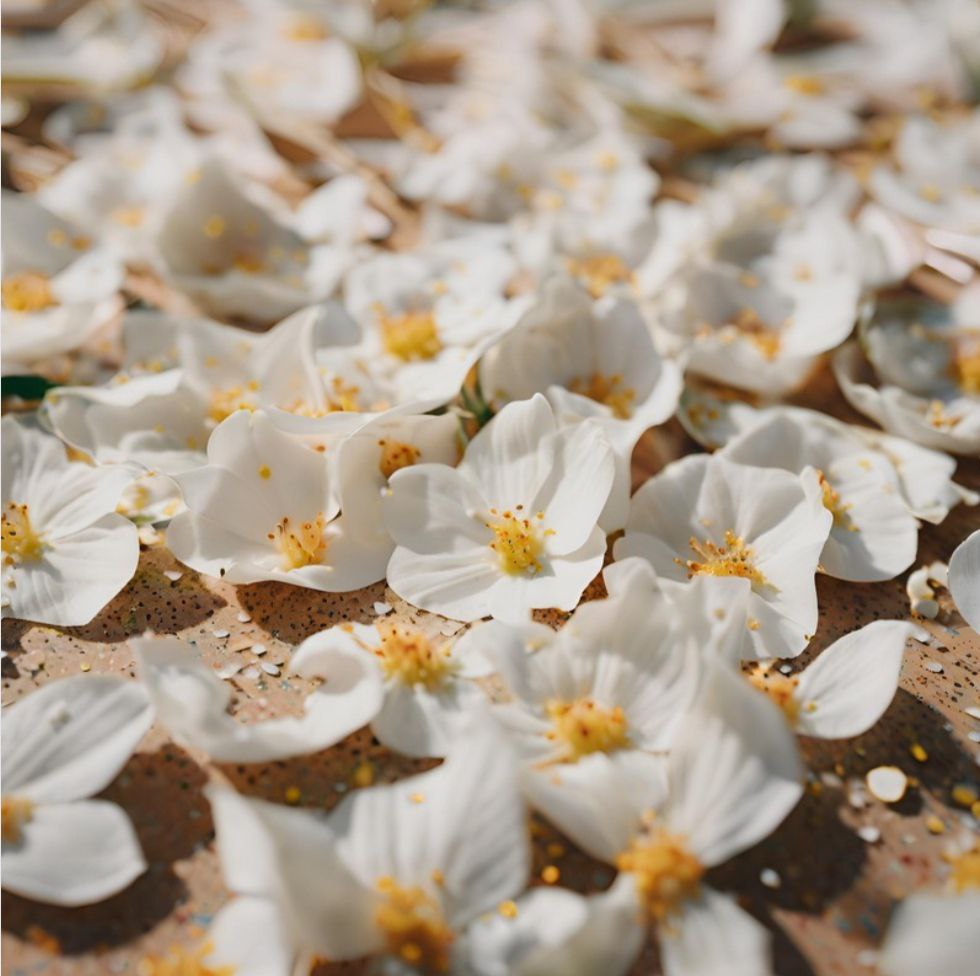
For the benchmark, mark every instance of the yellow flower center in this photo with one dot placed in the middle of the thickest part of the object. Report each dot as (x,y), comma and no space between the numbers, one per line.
(414,927)
(410,336)
(832,502)
(665,872)
(300,543)
(15,811)
(608,390)
(518,541)
(20,542)
(780,688)
(966,870)
(583,727)
(395,455)
(751,327)
(599,272)
(733,558)
(28,291)
(225,402)
(406,654)
(182,962)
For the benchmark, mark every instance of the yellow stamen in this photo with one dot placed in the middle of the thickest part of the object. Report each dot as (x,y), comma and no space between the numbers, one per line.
(180,961)
(301,544)
(248,263)
(583,727)
(804,84)
(966,366)
(395,455)
(608,390)
(749,324)
(129,216)
(518,542)
(28,291)
(414,926)
(15,811)
(405,653)
(214,226)
(780,688)
(832,502)
(21,544)
(665,872)
(599,272)
(225,402)
(410,336)
(304,29)
(733,558)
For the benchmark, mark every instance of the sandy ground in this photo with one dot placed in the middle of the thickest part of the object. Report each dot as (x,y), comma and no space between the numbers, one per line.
(828,892)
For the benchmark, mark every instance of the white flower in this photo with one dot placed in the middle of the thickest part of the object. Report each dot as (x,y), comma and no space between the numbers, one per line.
(237,258)
(196,373)
(191,703)
(430,314)
(100,46)
(964,579)
(393,872)
(512,527)
(590,360)
(66,553)
(935,178)
(847,688)
(708,516)
(264,508)
(427,693)
(935,934)
(925,356)
(873,535)
(58,289)
(62,744)
(731,779)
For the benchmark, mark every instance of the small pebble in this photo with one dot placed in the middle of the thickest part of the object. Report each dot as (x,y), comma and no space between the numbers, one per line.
(770,878)
(887,783)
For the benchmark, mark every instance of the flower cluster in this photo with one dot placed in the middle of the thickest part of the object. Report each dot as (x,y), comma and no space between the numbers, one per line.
(342,294)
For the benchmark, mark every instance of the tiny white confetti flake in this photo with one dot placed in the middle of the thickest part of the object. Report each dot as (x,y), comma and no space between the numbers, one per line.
(770,878)
(973,736)
(251,672)
(382,608)
(259,649)
(228,670)
(973,711)
(785,669)
(887,783)
(869,834)
(934,666)
(172,574)
(269,668)
(243,618)
(867,957)
(221,633)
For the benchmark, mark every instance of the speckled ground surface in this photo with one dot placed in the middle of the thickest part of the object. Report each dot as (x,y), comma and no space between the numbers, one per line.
(827,908)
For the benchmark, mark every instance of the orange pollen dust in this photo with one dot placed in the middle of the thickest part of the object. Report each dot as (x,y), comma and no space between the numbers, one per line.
(966,870)
(414,927)
(300,543)
(28,291)
(582,727)
(21,544)
(15,811)
(609,390)
(395,455)
(733,558)
(518,541)
(406,654)
(182,962)
(780,688)
(410,336)
(665,872)
(599,272)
